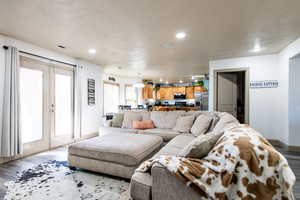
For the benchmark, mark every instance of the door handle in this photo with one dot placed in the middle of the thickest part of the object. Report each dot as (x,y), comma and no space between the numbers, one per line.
(52,109)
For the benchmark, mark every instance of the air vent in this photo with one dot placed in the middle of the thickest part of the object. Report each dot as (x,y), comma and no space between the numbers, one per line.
(112,79)
(61,46)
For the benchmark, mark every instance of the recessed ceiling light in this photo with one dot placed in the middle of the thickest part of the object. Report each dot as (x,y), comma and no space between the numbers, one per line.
(180,81)
(92,51)
(160,80)
(193,77)
(180,35)
(167,82)
(257,47)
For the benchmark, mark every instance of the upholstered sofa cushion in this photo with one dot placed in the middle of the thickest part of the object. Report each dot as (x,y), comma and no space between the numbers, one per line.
(214,115)
(117,120)
(166,134)
(182,140)
(126,149)
(200,146)
(166,119)
(175,145)
(184,124)
(140,186)
(129,117)
(201,124)
(110,130)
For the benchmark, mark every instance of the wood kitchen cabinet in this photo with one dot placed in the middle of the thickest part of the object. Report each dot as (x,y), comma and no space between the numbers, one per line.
(166,93)
(148,92)
(179,90)
(200,89)
(189,92)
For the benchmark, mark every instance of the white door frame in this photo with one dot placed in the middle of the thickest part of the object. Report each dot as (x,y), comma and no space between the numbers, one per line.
(215,94)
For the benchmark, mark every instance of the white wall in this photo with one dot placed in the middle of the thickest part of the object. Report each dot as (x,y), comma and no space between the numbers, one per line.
(263,103)
(294,102)
(90,114)
(269,108)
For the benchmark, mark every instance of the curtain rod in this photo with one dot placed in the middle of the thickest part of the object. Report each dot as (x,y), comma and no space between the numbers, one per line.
(43,57)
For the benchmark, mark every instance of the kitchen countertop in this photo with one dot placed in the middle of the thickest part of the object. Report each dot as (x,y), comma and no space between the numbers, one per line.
(173,107)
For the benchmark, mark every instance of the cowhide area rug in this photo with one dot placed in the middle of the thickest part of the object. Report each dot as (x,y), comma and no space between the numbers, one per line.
(54,180)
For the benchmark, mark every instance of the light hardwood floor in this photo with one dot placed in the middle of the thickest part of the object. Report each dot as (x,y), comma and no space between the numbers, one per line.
(8,170)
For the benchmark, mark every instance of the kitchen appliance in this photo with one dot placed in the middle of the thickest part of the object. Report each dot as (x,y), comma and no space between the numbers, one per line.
(179,96)
(180,103)
(201,99)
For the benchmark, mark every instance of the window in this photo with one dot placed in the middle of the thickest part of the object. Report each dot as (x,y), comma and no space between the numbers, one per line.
(111,97)
(130,95)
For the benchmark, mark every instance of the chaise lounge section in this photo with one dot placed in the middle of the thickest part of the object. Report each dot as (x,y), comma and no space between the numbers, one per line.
(114,154)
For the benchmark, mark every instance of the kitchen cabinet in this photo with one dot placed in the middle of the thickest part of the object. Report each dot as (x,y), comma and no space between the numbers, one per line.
(148,92)
(178,90)
(190,92)
(166,93)
(200,89)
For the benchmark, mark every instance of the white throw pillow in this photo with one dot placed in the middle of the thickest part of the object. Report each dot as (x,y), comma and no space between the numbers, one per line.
(184,124)
(129,117)
(226,121)
(201,145)
(201,124)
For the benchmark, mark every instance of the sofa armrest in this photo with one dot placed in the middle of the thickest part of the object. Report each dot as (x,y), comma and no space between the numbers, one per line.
(107,123)
(166,186)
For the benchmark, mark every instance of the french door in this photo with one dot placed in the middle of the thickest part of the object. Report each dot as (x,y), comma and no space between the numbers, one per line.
(46,101)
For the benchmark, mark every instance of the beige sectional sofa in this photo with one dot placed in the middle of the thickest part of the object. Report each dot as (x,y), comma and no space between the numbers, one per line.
(164,123)
(105,153)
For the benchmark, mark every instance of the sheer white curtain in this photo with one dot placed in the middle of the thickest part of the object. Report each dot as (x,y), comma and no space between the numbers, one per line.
(10,136)
(77,101)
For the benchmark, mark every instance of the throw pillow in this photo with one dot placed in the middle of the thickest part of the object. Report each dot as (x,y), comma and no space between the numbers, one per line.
(226,120)
(142,125)
(118,120)
(184,124)
(201,146)
(201,124)
(129,117)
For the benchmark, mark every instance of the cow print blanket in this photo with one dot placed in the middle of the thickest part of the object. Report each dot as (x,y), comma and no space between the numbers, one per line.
(242,165)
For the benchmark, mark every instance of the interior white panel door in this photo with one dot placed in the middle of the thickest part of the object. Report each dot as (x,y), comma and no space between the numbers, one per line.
(227,93)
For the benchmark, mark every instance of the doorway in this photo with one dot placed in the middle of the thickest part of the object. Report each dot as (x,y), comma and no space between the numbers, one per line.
(46,101)
(231,93)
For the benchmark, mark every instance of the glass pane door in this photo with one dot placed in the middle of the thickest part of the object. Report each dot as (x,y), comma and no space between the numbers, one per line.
(34,88)
(62,97)
(31,100)
(63,104)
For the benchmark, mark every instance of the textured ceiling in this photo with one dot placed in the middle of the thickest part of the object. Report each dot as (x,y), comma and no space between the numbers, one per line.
(138,35)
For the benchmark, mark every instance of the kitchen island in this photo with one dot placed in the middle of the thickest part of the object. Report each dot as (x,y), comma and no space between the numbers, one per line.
(172,108)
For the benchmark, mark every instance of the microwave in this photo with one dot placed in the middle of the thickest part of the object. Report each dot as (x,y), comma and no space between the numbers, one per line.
(179,96)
